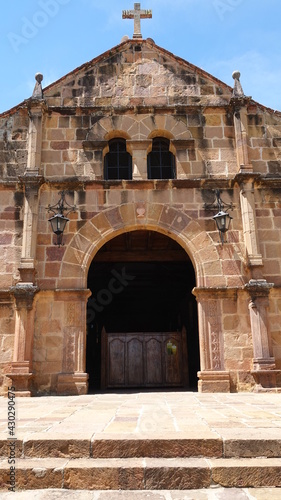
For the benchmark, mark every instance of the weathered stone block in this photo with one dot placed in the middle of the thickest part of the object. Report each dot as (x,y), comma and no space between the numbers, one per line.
(241,473)
(100,475)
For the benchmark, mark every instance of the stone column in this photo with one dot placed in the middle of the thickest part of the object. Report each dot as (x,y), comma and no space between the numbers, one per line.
(212,376)
(21,367)
(264,368)
(139,150)
(24,291)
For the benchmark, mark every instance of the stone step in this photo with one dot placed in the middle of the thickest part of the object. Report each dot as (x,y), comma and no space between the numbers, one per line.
(39,445)
(142,473)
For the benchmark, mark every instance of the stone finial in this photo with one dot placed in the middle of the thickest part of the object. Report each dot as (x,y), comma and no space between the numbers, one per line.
(38,92)
(237,89)
(124,38)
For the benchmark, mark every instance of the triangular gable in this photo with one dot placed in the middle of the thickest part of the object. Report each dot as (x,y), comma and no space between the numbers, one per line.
(137,73)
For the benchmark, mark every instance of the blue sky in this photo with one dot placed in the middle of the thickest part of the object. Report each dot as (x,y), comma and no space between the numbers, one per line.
(56,36)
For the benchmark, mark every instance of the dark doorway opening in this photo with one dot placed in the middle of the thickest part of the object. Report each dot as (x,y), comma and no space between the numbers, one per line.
(141,282)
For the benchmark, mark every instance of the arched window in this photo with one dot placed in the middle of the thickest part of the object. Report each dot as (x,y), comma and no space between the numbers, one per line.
(117,162)
(161,162)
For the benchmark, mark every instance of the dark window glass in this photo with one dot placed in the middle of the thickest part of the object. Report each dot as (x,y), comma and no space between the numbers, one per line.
(161,162)
(117,162)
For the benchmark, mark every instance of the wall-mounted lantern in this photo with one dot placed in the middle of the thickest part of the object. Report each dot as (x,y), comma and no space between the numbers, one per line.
(222,218)
(59,220)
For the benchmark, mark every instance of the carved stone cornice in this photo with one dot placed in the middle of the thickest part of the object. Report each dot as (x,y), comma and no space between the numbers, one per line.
(36,105)
(258,288)
(215,292)
(236,103)
(31,179)
(24,294)
(246,177)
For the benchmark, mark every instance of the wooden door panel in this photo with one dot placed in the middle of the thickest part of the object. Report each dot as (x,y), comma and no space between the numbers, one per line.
(134,362)
(154,364)
(116,362)
(142,360)
(173,373)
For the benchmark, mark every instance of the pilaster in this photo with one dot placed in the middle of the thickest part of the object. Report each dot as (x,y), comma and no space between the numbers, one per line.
(241,135)
(264,368)
(248,213)
(21,368)
(31,180)
(74,379)
(212,376)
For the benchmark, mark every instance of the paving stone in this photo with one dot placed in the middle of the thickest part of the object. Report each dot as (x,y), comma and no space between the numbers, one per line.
(204,494)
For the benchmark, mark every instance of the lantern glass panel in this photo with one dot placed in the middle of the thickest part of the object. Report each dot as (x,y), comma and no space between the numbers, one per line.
(222,221)
(58,223)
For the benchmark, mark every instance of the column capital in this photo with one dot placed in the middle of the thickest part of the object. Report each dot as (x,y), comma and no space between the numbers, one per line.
(258,288)
(243,178)
(238,103)
(24,294)
(31,179)
(36,107)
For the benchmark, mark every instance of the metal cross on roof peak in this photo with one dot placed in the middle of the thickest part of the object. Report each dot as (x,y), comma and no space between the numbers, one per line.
(137,14)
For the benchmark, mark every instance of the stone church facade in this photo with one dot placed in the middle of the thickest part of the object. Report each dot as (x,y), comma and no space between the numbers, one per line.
(142,292)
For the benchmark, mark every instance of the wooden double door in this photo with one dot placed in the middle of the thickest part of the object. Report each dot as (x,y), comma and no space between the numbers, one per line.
(143,360)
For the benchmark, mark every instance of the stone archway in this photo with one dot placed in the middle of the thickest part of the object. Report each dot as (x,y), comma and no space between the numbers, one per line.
(175,224)
(141,283)
(132,216)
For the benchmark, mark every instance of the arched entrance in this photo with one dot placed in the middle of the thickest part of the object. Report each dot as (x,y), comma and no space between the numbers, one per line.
(141,283)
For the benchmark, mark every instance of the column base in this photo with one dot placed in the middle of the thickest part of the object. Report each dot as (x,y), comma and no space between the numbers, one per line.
(71,384)
(265,380)
(21,378)
(213,381)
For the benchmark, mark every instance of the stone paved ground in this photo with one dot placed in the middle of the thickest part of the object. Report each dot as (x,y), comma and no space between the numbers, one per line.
(252,418)
(210,494)
(165,414)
